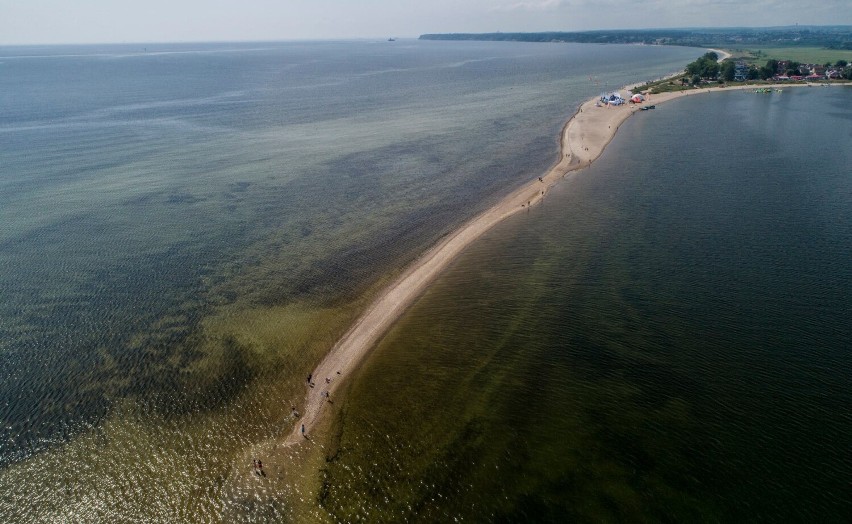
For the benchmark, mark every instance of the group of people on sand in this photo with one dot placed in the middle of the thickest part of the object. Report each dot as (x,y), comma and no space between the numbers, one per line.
(258,468)
(325,394)
(311,382)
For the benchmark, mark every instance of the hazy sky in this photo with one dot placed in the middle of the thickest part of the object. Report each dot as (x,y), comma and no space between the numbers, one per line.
(78,21)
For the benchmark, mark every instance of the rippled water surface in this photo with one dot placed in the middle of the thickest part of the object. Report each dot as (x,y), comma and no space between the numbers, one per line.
(664,338)
(184,229)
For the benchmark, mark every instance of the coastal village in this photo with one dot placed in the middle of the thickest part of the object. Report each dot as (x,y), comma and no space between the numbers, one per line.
(787,70)
(710,71)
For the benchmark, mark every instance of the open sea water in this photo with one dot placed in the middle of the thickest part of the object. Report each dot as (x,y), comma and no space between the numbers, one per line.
(666,338)
(185,229)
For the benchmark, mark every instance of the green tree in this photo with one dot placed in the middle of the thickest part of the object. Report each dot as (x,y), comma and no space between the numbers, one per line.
(710,69)
(773,65)
(696,79)
(693,68)
(841,63)
(705,67)
(728,70)
(753,73)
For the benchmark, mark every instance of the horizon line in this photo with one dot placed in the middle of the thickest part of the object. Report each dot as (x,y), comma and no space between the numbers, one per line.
(406,37)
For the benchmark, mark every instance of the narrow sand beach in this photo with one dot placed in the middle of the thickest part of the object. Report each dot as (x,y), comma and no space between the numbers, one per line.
(584,138)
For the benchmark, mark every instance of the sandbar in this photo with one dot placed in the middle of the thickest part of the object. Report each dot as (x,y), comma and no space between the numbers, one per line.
(584,137)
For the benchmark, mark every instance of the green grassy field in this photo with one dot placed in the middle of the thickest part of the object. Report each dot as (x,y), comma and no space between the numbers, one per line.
(810,55)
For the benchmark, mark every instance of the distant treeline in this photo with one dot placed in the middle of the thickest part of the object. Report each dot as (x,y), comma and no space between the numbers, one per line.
(832,37)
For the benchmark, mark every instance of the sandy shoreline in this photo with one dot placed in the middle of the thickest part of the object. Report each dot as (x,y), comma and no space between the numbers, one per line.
(584,137)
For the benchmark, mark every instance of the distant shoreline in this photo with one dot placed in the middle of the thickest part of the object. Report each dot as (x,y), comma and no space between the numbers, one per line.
(826,36)
(584,138)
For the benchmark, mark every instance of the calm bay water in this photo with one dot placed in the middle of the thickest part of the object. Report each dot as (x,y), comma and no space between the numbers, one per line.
(665,338)
(186,228)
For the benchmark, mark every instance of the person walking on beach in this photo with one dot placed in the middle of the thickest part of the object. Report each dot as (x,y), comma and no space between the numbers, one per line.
(303,431)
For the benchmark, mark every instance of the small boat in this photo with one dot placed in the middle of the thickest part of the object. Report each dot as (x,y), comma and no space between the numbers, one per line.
(391,39)
(645,108)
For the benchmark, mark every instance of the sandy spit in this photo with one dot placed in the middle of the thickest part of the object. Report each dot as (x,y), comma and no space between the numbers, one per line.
(584,138)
